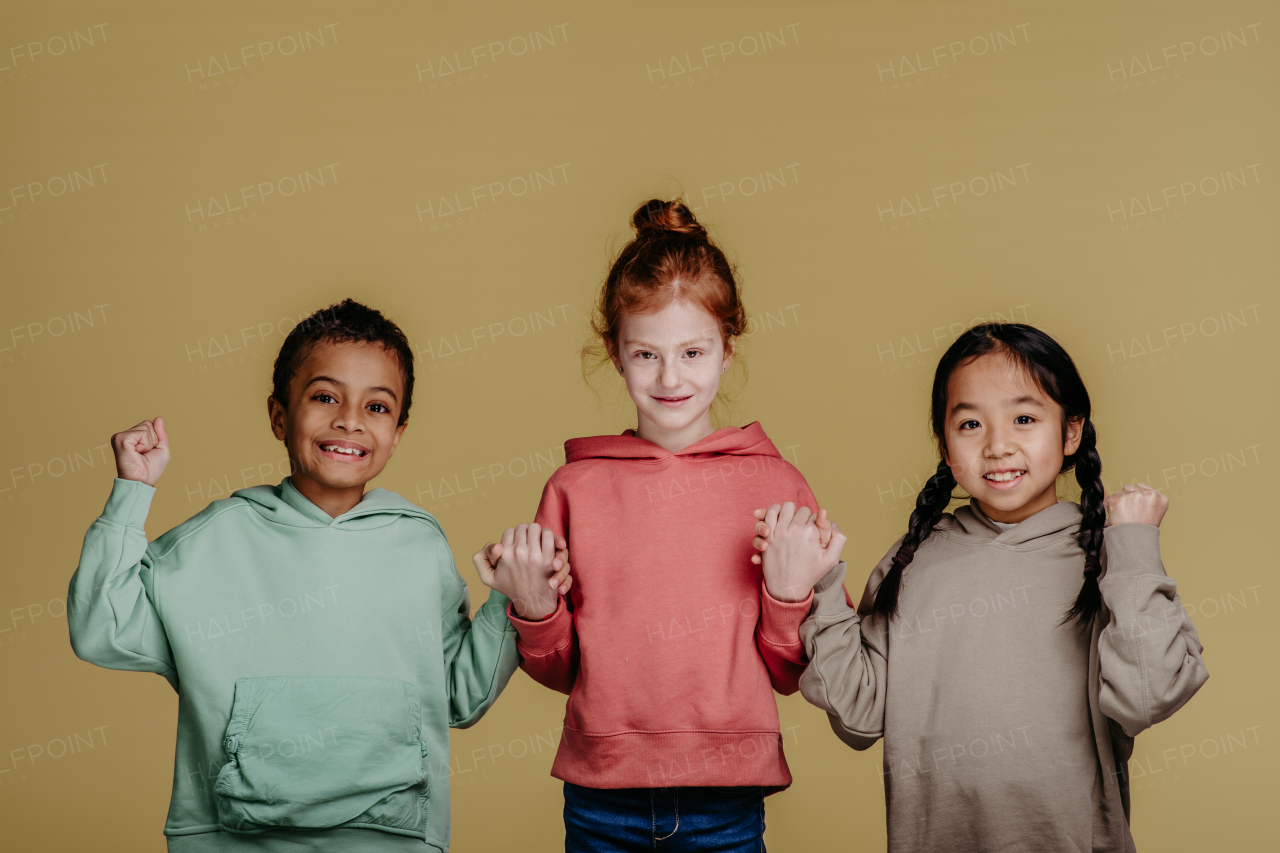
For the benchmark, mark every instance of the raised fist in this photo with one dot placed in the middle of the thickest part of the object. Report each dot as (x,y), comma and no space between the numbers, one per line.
(1136,504)
(142,452)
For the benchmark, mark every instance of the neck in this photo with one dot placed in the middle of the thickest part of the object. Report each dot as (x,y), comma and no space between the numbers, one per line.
(1040,502)
(335,501)
(673,441)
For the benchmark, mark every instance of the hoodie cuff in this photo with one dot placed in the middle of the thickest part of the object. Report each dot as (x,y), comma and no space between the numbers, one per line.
(1132,550)
(129,503)
(494,611)
(541,638)
(780,620)
(828,594)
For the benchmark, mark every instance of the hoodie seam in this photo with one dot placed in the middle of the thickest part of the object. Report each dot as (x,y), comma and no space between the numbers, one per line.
(240,504)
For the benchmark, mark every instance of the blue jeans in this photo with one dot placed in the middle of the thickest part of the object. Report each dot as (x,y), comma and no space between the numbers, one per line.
(673,820)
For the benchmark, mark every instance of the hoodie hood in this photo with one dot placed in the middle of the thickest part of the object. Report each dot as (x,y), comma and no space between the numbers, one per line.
(749,440)
(1061,518)
(284,504)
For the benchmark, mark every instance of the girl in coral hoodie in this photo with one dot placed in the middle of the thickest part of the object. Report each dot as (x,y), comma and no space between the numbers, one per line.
(673,642)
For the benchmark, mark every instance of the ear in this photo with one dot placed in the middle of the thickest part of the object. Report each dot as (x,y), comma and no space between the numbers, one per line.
(395,439)
(276,413)
(1072,430)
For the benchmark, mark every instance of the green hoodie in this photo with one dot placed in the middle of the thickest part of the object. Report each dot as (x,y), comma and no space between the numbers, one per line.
(319,663)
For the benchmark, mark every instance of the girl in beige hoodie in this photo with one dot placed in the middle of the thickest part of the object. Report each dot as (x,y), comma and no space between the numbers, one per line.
(1008,694)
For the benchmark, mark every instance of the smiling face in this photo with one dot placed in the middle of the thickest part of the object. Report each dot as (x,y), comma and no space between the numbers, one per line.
(1005,438)
(341,421)
(672,361)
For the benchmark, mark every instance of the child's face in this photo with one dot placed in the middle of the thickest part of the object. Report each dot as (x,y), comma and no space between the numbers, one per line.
(672,361)
(340,424)
(1004,438)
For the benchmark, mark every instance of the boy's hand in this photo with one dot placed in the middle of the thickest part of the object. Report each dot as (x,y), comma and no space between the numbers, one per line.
(142,452)
(1136,504)
(529,566)
(795,557)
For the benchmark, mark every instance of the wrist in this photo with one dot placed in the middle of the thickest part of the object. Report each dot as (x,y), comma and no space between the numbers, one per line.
(532,608)
(787,590)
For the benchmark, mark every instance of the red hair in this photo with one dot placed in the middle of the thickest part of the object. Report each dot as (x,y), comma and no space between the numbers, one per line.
(670,258)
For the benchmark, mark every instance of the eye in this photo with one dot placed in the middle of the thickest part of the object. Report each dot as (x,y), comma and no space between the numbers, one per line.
(378,408)
(970,425)
(645,354)
(324,397)
(1024,419)
(692,353)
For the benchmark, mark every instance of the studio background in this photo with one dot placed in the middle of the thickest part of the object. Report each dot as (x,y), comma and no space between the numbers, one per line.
(181,184)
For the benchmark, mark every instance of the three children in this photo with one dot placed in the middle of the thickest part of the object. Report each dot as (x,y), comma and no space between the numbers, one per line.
(1031,638)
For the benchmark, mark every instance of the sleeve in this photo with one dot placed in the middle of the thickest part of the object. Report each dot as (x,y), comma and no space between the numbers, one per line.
(111,611)
(1148,652)
(549,648)
(479,655)
(849,658)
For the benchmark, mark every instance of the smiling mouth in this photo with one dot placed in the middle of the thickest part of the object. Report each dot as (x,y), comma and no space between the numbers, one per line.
(673,401)
(352,452)
(1003,476)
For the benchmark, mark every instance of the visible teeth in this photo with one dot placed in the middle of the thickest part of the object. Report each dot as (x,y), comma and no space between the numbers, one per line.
(1003,476)
(349,451)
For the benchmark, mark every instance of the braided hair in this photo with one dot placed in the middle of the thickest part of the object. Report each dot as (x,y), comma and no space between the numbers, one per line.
(1052,369)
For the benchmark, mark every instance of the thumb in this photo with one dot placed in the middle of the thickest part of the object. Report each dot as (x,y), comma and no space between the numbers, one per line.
(836,545)
(824,528)
(162,434)
(492,553)
(481,561)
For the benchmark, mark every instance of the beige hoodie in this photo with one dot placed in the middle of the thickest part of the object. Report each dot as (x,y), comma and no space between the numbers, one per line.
(1004,728)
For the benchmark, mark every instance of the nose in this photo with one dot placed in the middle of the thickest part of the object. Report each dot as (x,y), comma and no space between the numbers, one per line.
(1000,442)
(669,377)
(350,417)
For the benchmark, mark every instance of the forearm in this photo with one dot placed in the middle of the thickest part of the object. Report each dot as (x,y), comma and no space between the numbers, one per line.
(778,639)
(846,676)
(110,614)
(1149,654)
(549,648)
(483,658)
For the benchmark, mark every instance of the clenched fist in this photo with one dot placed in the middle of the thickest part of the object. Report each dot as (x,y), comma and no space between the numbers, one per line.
(142,452)
(1136,504)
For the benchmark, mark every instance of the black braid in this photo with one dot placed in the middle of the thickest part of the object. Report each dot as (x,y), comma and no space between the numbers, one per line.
(931,503)
(1088,465)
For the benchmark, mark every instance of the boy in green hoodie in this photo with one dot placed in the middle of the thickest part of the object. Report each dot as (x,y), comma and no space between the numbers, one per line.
(319,637)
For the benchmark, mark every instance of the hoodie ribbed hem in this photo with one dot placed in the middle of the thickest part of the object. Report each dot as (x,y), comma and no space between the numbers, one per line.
(304,841)
(672,759)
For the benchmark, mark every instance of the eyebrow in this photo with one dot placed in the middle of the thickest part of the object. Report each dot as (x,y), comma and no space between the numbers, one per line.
(340,384)
(702,340)
(1017,401)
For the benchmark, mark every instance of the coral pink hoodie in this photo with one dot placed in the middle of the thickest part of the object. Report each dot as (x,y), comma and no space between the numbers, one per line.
(671,648)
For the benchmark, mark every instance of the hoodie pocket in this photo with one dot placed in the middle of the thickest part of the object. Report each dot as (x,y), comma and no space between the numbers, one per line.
(320,752)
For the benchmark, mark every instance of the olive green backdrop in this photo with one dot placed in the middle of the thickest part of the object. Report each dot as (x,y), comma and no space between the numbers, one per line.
(179,184)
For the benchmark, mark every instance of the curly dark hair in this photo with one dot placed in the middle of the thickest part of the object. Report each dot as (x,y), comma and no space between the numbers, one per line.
(347,321)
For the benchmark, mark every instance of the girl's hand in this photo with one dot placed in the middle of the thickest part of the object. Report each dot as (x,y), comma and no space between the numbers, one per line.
(761,540)
(142,452)
(1136,504)
(796,557)
(527,558)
